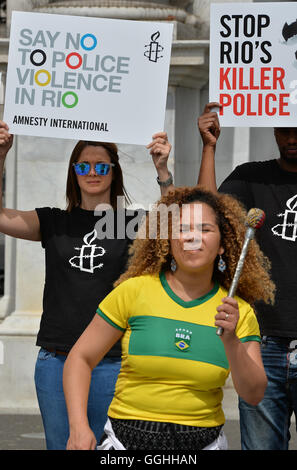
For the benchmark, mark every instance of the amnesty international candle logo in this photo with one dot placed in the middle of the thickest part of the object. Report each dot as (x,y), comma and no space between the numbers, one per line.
(83,77)
(89,254)
(154,49)
(289,30)
(287,230)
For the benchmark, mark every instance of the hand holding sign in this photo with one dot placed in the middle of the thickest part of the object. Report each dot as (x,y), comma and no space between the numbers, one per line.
(159,150)
(6,139)
(208,124)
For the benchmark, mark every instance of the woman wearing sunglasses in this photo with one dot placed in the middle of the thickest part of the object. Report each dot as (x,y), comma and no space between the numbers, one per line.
(81,267)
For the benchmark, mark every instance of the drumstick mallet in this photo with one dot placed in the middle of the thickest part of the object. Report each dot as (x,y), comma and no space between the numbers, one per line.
(254,220)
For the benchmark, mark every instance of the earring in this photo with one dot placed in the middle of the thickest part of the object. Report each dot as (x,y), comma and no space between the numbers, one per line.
(221,265)
(173,265)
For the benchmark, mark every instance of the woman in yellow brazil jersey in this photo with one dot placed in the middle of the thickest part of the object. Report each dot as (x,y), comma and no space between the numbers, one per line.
(167,308)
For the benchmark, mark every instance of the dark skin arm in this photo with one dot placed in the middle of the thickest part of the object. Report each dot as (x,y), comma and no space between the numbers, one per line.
(209,127)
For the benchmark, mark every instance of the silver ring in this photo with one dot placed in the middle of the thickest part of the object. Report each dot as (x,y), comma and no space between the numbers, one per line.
(227,315)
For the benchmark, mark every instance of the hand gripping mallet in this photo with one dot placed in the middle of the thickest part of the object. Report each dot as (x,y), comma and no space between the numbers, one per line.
(254,219)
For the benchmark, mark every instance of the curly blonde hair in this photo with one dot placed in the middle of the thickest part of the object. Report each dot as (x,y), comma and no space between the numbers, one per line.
(153,255)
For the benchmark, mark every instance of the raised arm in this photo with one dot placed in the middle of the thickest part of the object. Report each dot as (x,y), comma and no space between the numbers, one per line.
(245,359)
(87,352)
(19,224)
(209,127)
(159,150)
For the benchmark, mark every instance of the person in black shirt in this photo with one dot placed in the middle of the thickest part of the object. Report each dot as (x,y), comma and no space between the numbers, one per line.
(271,186)
(86,250)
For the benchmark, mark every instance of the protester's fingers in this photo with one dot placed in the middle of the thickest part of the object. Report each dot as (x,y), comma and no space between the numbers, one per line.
(208,107)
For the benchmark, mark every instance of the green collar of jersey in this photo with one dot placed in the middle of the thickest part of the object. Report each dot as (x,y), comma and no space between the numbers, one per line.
(184,303)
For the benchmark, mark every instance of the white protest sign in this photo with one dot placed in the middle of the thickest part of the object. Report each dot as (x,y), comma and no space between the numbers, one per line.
(87,78)
(253,63)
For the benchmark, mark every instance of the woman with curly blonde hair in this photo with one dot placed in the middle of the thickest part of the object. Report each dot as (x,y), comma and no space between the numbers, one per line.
(167,307)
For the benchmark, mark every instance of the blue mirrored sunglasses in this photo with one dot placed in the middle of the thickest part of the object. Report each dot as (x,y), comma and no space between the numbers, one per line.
(83,168)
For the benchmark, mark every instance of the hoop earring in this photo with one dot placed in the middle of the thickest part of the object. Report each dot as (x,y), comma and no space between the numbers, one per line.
(221,265)
(173,265)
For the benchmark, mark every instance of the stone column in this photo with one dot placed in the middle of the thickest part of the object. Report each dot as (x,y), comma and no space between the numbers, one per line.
(16,5)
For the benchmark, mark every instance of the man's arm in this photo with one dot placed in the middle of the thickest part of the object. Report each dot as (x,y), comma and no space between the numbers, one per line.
(236,183)
(209,127)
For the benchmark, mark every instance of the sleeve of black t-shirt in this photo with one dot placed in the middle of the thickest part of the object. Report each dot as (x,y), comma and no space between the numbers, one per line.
(45,220)
(236,184)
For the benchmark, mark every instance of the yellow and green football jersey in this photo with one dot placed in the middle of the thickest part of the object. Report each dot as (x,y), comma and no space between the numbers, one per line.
(173,363)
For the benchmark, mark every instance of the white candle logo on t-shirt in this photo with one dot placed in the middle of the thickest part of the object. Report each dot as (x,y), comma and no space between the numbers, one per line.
(87,260)
(288,229)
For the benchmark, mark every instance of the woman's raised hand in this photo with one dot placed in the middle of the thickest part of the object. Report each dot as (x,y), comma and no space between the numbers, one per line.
(160,149)
(6,139)
(208,125)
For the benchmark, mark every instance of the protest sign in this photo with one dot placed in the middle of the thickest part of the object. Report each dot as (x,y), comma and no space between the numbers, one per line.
(87,78)
(253,63)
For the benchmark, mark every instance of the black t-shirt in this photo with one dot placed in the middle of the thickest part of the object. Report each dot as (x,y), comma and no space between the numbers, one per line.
(80,269)
(266,186)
